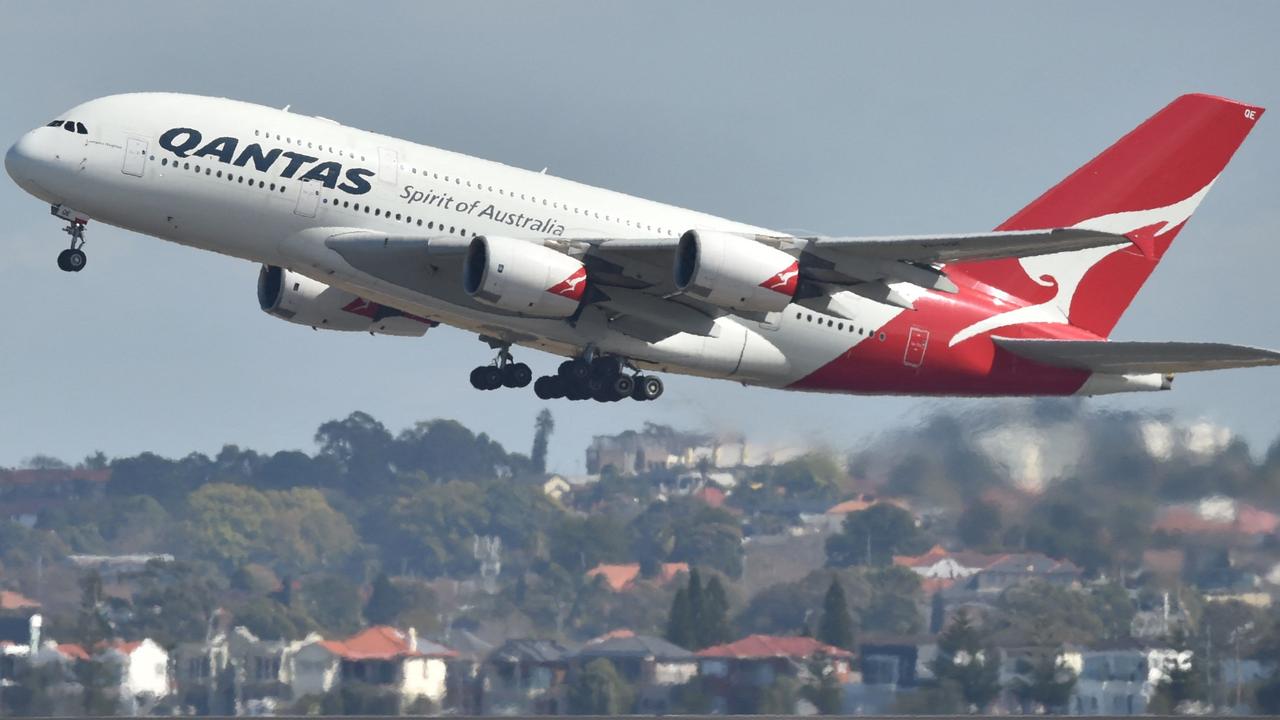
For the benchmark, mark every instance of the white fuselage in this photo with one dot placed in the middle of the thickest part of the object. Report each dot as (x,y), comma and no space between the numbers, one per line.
(127,172)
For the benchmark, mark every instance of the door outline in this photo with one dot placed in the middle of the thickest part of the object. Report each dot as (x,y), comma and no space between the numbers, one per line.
(917,345)
(135,156)
(308,198)
(388,165)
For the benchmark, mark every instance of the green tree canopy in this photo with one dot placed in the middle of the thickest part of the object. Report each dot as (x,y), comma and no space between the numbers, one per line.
(873,536)
(836,627)
(599,690)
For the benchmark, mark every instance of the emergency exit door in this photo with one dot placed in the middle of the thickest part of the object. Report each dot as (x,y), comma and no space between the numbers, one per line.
(135,156)
(917,343)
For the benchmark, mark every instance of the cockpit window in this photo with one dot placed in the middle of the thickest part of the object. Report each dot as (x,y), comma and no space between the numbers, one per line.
(70,126)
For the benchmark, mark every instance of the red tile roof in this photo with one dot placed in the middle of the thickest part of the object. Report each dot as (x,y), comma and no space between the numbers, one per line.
(379,643)
(10,600)
(773,646)
(73,651)
(622,577)
(712,496)
(48,477)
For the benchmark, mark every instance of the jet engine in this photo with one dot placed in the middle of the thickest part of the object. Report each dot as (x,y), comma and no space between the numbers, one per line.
(734,272)
(523,277)
(299,299)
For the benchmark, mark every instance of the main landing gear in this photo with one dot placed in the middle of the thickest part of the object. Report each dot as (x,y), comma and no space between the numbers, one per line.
(502,372)
(73,258)
(603,379)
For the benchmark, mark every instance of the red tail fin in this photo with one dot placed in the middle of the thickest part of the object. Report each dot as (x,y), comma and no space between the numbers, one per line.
(1145,186)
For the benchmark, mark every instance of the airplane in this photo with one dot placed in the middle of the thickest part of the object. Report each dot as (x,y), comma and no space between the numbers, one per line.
(358,231)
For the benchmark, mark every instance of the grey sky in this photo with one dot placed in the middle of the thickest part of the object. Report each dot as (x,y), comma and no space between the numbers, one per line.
(842,117)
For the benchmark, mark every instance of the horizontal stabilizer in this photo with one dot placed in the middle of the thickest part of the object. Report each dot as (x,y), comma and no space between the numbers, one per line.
(1104,356)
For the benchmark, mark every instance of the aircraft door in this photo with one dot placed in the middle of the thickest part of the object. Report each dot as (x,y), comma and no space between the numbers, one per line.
(308,198)
(135,156)
(388,166)
(917,343)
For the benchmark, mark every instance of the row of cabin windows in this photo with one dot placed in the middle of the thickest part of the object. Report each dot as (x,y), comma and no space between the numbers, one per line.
(231,177)
(407,219)
(808,317)
(310,145)
(459,181)
(70,126)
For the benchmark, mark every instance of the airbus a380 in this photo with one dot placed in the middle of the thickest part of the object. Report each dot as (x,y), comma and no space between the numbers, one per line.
(364,232)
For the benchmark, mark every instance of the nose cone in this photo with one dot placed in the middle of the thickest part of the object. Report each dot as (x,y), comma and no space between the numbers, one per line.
(17,162)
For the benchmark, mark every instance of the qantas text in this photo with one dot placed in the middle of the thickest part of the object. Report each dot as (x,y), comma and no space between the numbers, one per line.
(184,142)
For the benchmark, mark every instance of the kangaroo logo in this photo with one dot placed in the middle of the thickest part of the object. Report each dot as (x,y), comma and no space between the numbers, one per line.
(1065,270)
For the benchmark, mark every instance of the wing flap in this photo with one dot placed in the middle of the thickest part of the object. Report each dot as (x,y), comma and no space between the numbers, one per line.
(1113,357)
(932,249)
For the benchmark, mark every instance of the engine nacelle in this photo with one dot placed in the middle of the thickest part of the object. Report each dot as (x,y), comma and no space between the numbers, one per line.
(299,299)
(735,272)
(523,277)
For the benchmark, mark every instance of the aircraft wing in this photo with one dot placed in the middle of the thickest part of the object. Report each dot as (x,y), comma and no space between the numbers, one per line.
(940,249)
(1122,358)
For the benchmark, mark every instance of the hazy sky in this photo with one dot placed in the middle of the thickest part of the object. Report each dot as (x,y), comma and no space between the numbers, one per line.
(837,118)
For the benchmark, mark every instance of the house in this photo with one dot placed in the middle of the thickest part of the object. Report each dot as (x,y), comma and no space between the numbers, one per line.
(651,665)
(525,676)
(142,672)
(620,578)
(735,669)
(1121,680)
(896,660)
(1217,515)
(556,487)
(985,574)
(227,673)
(464,682)
(832,518)
(398,661)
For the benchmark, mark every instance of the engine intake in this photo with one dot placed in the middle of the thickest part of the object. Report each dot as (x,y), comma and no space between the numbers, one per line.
(523,277)
(734,272)
(299,299)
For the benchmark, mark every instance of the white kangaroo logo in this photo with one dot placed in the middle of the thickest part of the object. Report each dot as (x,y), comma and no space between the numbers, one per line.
(1067,269)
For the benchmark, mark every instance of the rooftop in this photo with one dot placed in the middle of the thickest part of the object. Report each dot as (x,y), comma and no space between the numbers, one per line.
(773,646)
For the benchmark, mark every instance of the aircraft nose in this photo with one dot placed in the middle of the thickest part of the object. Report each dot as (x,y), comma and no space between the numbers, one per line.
(21,159)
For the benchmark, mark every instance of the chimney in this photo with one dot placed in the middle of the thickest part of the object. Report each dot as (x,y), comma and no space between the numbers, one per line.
(36,623)
(413,640)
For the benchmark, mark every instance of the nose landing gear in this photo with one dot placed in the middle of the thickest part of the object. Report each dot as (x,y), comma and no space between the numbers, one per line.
(73,258)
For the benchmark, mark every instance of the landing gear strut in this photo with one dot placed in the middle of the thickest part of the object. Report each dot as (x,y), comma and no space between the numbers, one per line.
(73,258)
(502,372)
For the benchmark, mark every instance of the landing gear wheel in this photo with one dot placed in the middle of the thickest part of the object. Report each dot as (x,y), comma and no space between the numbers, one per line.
(516,375)
(548,387)
(623,386)
(491,376)
(63,264)
(649,387)
(477,378)
(575,372)
(76,260)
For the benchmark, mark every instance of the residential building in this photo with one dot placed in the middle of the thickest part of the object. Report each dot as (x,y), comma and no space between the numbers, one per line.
(651,665)
(526,677)
(1121,680)
(24,494)
(464,681)
(622,577)
(398,661)
(142,672)
(734,669)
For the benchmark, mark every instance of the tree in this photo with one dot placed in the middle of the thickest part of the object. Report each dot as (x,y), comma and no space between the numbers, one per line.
(873,536)
(333,602)
(966,658)
(836,628)
(713,617)
(681,629)
(599,690)
(386,602)
(1048,684)
(543,427)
